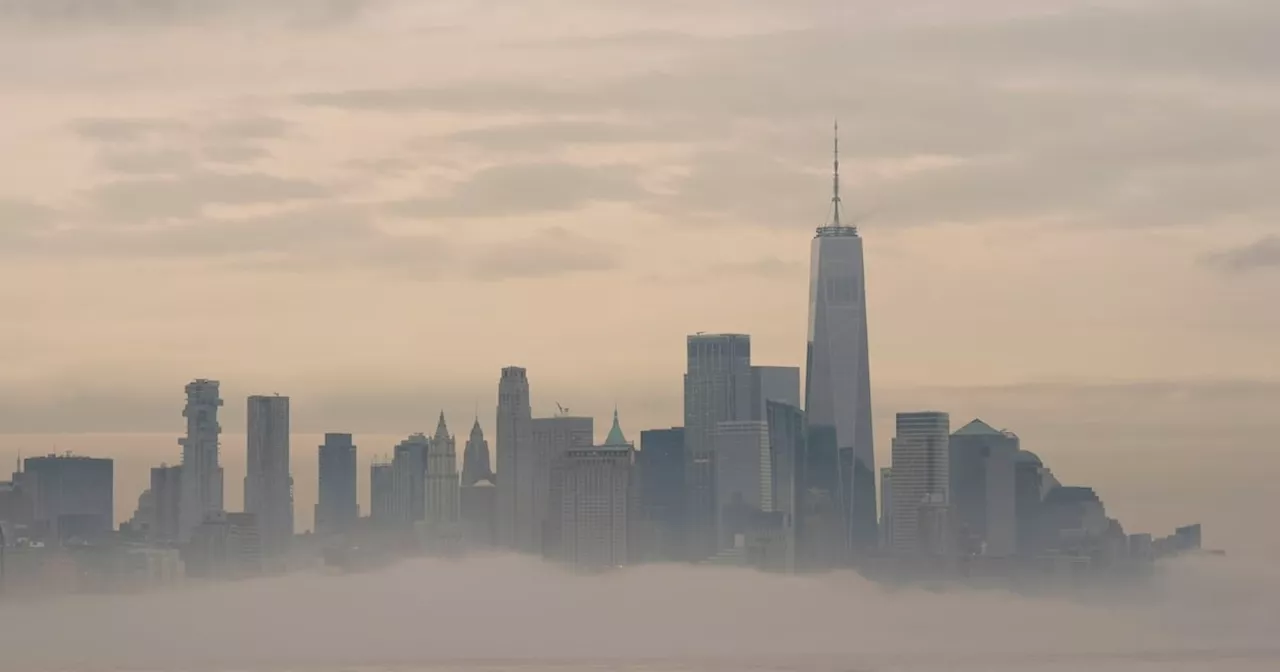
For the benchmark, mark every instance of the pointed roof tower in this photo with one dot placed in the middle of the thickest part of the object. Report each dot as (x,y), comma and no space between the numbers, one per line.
(616,438)
(476,432)
(442,430)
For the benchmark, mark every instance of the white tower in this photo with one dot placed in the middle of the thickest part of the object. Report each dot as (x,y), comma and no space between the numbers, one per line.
(442,477)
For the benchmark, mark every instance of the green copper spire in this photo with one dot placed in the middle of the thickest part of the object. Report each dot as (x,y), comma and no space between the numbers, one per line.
(615,437)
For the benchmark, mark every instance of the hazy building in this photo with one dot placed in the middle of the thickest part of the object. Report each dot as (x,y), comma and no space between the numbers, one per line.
(787,436)
(475,458)
(886,507)
(743,476)
(478,504)
(594,502)
(382,493)
(774,383)
(551,439)
(409,483)
(336,508)
(920,479)
(660,472)
(441,492)
(837,378)
(225,546)
(718,387)
(201,470)
(268,483)
(514,439)
(75,496)
(166,491)
(983,489)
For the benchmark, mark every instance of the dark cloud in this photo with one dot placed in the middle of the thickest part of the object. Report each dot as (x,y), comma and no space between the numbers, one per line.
(528,188)
(550,252)
(140,200)
(1260,254)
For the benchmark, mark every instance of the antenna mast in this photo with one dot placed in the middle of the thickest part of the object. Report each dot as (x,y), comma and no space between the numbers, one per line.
(835,175)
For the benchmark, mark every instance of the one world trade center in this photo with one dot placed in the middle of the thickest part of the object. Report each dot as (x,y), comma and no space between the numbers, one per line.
(838,520)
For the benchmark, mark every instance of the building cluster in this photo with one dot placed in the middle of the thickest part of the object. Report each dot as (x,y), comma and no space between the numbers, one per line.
(761,472)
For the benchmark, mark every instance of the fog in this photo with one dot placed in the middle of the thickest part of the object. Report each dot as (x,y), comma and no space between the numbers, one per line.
(503,610)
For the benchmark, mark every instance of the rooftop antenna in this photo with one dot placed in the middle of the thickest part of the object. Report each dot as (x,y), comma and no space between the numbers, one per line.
(835,175)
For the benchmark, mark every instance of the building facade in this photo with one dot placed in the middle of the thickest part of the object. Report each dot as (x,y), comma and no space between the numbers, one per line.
(166,491)
(382,493)
(837,377)
(441,494)
(743,477)
(74,496)
(983,489)
(552,438)
(268,482)
(475,458)
(514,439)
(409,482)
(336,508)
(594,492)
(660,470)
(921,480)
(718,387)
(201,469)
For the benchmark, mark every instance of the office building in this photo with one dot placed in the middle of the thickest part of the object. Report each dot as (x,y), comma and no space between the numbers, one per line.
(774,383)
(166,493)
(408,485)
(337,510)
(74,496)
(475,458)
(718,387)
(268,483)
(920,481)
(514,439)
(441,493)
(660,471)
(225,546)
(743,477)
(551,439)
(201,469)
(478,505)
(983,490)
(594,497)
(837,378)
(382,493)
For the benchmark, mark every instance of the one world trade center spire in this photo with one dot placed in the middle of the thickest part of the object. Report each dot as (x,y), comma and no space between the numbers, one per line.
(839,509)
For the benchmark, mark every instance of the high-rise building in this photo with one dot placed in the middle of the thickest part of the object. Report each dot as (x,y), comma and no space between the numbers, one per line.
(477,504)
(382,493)
(336,509)
(920,480)
(441,490)
(660,470)
(787,453)
(166,489)
(201,470)
(886,507)
(475,458)
(409,483)
(551,439)
(837,378)
(982,492)
(743,477)
(514,438)
(268,484)
(75,496)
(718,386)
(774,383)
(594,501)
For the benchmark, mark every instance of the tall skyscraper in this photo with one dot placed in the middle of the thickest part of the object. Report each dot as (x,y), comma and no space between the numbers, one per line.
(337,509)
(166,489)
(593,502)
(381,493)
(921,481)
(409,482)
(514,435)
(787,453)
(743,477)
(268,484)
(475,457)
(551,439)
(718,385)
(774,383)
(983,489)
(74,496)
(441,489)
(201,471)
(837,378)
(660,470)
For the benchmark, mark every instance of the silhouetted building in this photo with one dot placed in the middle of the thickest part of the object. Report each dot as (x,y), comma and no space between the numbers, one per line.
(552,438)
(718,387)
(337,509)
(886,507)
(225,546)
(268,483)
(201,469)
(983,492)
(475,458)
(515,457)
(166,493)
(921,462)
(774,383)
(75,496)
(660,467)
(743,477)
(408,487)
(479,513)
(382,493)
(594,499)
(441,491)
(837,378)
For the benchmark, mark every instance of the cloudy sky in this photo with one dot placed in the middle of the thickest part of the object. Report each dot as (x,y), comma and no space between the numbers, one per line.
(1070,212)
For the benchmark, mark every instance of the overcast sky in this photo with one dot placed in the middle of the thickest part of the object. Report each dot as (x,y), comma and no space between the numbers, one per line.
(373,205)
